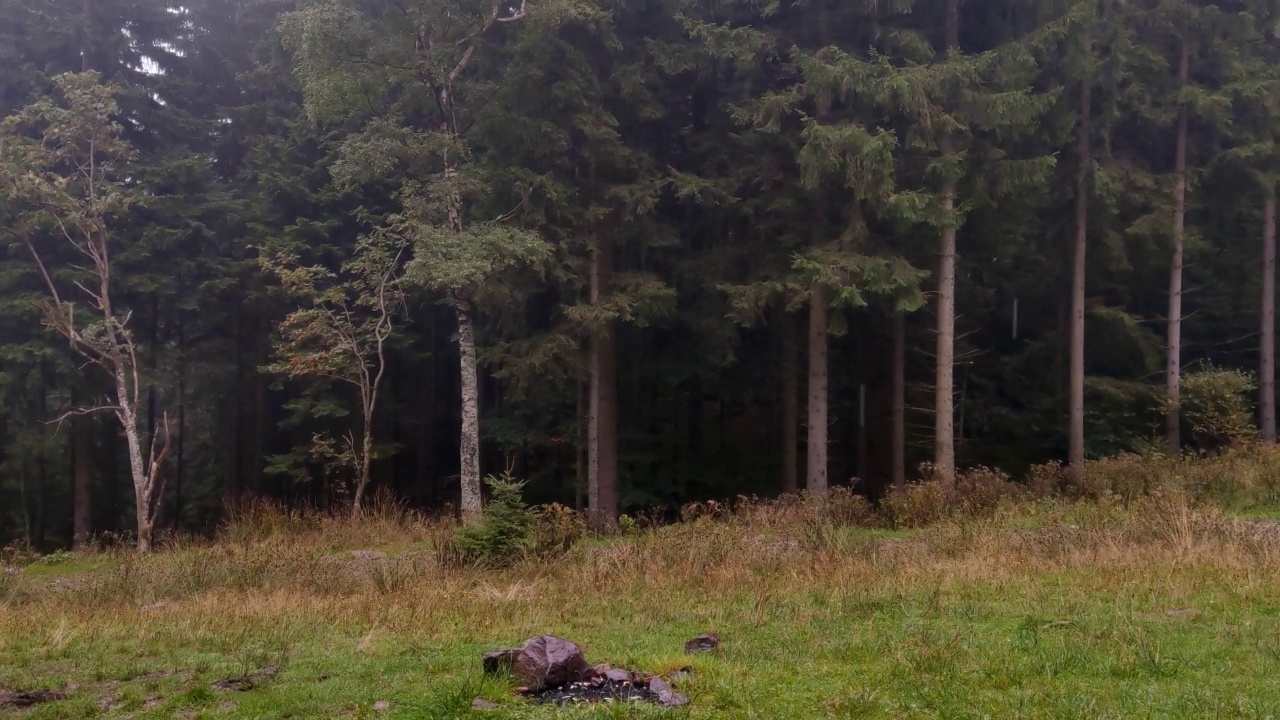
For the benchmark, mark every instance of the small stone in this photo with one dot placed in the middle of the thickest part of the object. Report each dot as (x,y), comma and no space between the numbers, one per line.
(617,675)
(681,675)
(666,696)
(482,704)
(382,705)
(703,643)
(548,661)
(496,661)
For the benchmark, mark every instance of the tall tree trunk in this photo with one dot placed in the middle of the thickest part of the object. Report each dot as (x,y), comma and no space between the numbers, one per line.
(143,506)
(469,475)
(580,469)
(944,439)
(790,406)
(180,470)
(1084,158)
(42,491)
(899,392)
(1173,369)
(818,335)
(26,503)
(1268,359)
(602,411)
(258,455)
(81,480)
(235,405)
(366,467)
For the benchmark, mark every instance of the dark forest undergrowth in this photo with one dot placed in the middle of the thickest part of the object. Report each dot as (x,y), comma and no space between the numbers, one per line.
(1148,591)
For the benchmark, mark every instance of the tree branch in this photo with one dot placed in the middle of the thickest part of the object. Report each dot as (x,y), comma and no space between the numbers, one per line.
(517,15)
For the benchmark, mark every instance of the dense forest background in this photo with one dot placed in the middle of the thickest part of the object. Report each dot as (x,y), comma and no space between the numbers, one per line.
(635,252)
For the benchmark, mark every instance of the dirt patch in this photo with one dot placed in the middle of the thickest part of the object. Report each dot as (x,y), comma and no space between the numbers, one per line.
(21,700)
(243,683)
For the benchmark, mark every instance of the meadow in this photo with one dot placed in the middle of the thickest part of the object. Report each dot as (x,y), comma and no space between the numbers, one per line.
(1150,589)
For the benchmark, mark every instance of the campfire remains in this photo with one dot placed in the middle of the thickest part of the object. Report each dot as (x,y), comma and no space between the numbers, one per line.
(554,670)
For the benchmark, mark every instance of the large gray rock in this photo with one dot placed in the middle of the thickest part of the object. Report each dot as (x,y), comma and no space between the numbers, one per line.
(547,662)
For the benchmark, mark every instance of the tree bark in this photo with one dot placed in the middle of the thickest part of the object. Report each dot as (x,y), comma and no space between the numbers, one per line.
(790,406)
(469,476)
(602,410)
(944,441)
(1268,359)
(817,426)
(1173,368)
(137,465)
(1084,157)
(899,392)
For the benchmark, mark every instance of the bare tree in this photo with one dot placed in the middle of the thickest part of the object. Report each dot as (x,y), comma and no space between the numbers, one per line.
(341,332)
(60,164)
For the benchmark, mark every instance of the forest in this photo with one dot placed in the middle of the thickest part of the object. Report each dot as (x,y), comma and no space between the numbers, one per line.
(634,253)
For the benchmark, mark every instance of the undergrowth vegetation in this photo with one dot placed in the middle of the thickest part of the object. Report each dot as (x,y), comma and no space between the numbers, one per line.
(1125,592)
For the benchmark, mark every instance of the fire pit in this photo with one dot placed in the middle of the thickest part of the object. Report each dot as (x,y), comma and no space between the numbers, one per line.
(597,689)
(554,670)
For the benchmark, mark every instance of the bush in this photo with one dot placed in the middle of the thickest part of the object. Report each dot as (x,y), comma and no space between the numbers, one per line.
(510,531)
(555,529)
(915,505)
(1217,408)
(845,508)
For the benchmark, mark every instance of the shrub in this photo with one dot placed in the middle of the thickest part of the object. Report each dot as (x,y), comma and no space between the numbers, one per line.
(915,505)
(502,534)
(845,508)
(555,529)
(1047,479)
(981,489)
(1217,408)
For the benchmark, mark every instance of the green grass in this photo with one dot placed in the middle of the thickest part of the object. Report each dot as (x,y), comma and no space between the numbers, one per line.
(1051,610)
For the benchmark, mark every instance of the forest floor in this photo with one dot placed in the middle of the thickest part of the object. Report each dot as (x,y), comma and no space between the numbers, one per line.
(1040,610)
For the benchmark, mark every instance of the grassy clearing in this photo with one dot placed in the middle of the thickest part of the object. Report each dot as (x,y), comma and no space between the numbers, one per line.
(1150,606)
